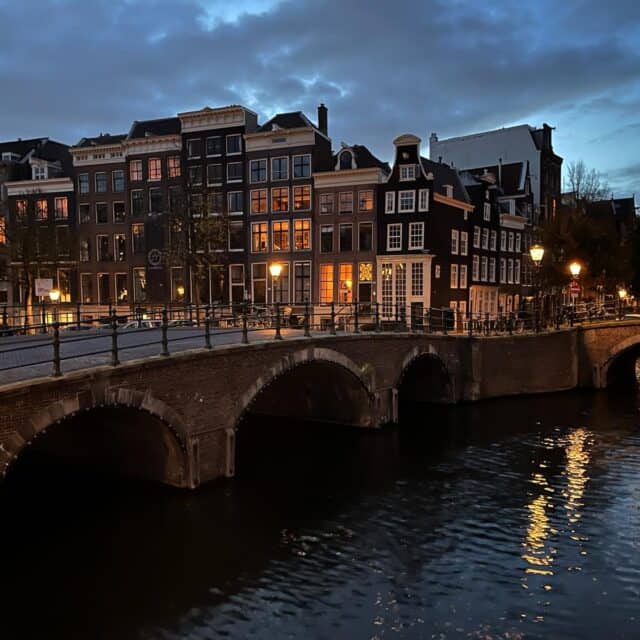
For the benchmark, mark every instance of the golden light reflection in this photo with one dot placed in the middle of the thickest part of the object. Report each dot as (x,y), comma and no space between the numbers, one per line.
(577,460)
(536,554)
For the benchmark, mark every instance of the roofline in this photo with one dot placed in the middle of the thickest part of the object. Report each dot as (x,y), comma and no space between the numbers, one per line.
(230,107)
(484,133)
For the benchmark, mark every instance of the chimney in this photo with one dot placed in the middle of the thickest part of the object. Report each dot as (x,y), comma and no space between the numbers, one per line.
(433,138)
(323,119)
(500,172)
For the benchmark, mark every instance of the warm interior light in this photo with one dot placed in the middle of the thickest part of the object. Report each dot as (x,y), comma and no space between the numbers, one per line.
(180,290)
(348,284)
(622,293)
(575,268)
(536,252)
(54,295)
(275,269)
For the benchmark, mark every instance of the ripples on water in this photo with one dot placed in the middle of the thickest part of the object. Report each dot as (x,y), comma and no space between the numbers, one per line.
(508,519)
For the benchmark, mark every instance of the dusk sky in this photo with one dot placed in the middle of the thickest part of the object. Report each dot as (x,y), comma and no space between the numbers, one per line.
(73,68)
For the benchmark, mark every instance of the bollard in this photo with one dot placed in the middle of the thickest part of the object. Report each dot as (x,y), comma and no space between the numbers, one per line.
(245,329)
(278,335)
(332,325)
(114,339)
(207,328)
(307,334)
(56,349)
(165,327)
(356,320)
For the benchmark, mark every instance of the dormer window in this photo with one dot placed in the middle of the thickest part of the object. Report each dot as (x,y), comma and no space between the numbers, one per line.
(407,172)
(39,173)
(448,190)
(346,160)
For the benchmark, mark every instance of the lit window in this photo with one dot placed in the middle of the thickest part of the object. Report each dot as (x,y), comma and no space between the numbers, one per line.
(302,234)
(345,202)
(279,199)
(345,284)
(280,235)
(454,276)
(3,231)
(365,200)
(326,202)
(173,167)
(259,201)
(302,198)
(155,169)
(61,208)
(42,209)
(135,170)
(326,283)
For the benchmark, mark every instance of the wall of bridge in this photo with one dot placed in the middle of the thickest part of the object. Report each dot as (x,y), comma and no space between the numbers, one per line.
(201,396)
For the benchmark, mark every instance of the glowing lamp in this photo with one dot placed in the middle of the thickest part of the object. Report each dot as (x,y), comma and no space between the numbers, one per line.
(575,268)
(275,269)
(536,252)
(54,295)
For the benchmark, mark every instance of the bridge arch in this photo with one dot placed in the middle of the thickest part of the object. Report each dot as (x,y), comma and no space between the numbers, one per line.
(424,377)
(165,440)
(333,362)
(618,366)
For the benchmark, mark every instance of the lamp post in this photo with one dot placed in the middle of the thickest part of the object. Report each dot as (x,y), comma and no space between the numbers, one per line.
(574,287)
(54,296)
(622,294)
(275,269)
(536,251)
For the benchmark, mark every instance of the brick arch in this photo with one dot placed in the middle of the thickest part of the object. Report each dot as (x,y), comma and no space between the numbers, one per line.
(601,369)
(416,353)
(123,397)
(288,363)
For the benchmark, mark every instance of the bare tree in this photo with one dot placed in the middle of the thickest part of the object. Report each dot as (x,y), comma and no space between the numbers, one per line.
(586,185)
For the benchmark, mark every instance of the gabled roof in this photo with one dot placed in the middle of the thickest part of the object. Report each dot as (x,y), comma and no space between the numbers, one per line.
(290,120)
(102,140)
(21,147)
(159,127)
(443,174)
(513,176)
(364,159)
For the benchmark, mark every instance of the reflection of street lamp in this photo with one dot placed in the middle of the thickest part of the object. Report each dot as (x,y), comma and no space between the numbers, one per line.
(622,294)
(536,251)
(275,269)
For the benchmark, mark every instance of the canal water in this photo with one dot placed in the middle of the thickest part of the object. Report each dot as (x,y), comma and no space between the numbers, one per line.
(517,518)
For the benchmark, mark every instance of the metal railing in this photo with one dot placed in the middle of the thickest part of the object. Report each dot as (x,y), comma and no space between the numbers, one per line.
(74,343)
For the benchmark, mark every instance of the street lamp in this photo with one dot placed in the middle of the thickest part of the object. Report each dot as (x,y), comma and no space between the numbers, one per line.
(622,294)
(575,268)
(536,251)
(275,269)
(54,296)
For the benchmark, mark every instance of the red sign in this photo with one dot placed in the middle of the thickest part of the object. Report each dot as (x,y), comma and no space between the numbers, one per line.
(574,288)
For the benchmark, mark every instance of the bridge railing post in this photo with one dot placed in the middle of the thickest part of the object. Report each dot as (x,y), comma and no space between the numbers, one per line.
(207,327)
(56,349)
(78,316)
(332,324)
(245,325)
(114,338)
(356,318)
(165,328)
(278,335)
(377,307)
(305,322)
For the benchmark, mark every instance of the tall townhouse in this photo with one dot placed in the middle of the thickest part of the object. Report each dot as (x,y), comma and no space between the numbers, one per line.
(40,206)
(214,161)
(152,152)
(344,226)
(103,223)
(282,157)
(423,244)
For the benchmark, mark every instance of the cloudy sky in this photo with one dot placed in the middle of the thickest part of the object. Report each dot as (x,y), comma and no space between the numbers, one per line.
(70,68)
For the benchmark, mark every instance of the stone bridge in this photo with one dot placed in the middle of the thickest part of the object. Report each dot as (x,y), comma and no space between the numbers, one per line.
(174,419)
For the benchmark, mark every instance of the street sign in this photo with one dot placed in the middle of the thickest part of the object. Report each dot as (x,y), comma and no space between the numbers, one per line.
(574,288)
(43,286)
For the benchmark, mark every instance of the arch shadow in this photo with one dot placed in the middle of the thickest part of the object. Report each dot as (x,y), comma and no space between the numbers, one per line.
(619,367)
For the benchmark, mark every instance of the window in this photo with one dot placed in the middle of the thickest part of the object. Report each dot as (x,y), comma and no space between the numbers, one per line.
(346,237)
(86,287)
(365,200)
(475,268)
(326,283)
(464,243)
(236,202)
(302,166)
(39,173)
(280,168)
(236,236)
(137,203)
(101,182)
(135,170)
(516,271)
(214,146)
(155,169)
(394,237)
(518,242)
(345,202)
(122,295)
(503,270)
(365,236)
(280,235)
(365,281)
(483,268)
(83,183)
(416,235)
(194,148)
(301,281)
(448,190)
(407,201)
(327,202)
(485,238)
(423,200)
(258,170)
(494,239)
(196,205)
(462,269)
(279,199)
(454,276)
(214,174)
(104,288)
(84,213)
(139,284)
(454,242)
(346,160)
(234,172)
(492,269)
(61,207)
(84,250)
(407,172)
(510,241)
(510,270)
(3,230)
(259,282)
(103,249)
(487,211)
(195,175)
(42,209)
(345,282)
(137,238)
(302,234)
(234,143)
(102,213)
(173,167)
(155,200)
(259,201)
(326,238)
(120,247)
(476,237)
(302,198)
(436,271)
(21,209)
(503,241)
(215,203)
(417,279)
(117,181)
(390,202)
(259,237)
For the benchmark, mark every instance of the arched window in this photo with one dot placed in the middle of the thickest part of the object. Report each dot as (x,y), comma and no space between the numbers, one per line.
(345,160)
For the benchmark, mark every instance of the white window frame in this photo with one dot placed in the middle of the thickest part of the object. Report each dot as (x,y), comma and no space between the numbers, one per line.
(455,242)
(486,214)
(475,268)
(485,238)
(274,179)
(410,192)
(423,200)
(510,244)
(476,237)
(462,276)
(234,180)
(412,244)
(464,243)
(234,213)
(484,269)
(503,240)
(516,271)
(493,242)
(266,171)
(394,226)
(407,172)
(189,156)
(226,144)
(301,155)
(453,277)
(211,155)
(390,202)
(503,270)
(518,243)
(492,269)
(510,270)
